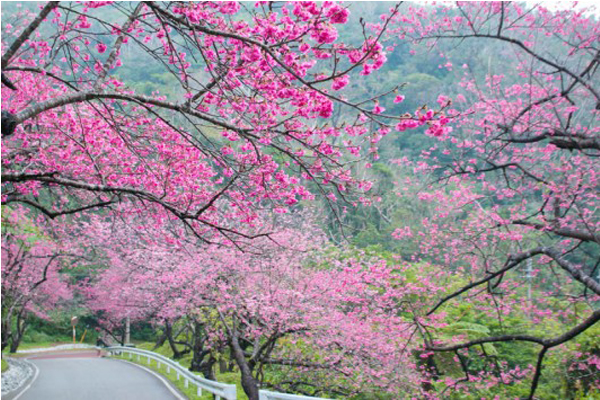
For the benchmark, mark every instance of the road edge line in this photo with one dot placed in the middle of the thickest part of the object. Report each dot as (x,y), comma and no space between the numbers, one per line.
(35,375)
(165,382)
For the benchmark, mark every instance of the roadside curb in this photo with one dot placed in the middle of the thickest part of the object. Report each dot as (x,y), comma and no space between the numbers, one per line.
(22,384)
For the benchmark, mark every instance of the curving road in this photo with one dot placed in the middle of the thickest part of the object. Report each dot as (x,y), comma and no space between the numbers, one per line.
(75,376)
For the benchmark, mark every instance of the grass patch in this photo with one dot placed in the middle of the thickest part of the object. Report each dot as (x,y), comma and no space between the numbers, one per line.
(35,345)
(4,366)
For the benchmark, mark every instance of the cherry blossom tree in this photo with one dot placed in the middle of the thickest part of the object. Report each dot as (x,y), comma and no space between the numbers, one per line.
(523,183)
(245,127)
(278,308)
(31,281)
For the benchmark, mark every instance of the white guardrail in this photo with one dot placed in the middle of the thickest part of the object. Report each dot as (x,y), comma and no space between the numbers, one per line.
(266,395)
(220,390)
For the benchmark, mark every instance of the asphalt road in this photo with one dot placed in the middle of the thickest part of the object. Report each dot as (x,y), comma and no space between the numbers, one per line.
(76,377)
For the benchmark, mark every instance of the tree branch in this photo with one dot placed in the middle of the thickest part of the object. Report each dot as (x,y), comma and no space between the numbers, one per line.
(27,32)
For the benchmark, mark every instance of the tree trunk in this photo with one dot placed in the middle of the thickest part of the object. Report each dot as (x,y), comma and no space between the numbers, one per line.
(249,384)
(199,364)
(207,368)
(6,328)
(18,332)
(14,344)
(6,333)
(169,333)
(161,340)
(6,321)
(223,366)
(231,363)
(127,331)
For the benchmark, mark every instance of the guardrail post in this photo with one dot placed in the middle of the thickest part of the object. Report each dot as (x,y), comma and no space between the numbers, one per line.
(186,383)
(230,392)
(148,360)
(177,375)
(199,391)
(138,357)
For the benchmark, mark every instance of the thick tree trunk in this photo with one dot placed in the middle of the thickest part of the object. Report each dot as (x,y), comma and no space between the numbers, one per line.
(127,331)
(169,333)
(6,333)
(18,333)
(7,313)
(206,368)
(223,367)
(199,354)
(170,337)
(14,344)
(249,384)
(231,364)
(161,340)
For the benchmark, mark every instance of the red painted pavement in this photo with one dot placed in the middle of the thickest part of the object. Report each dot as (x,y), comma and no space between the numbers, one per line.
(68,354)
